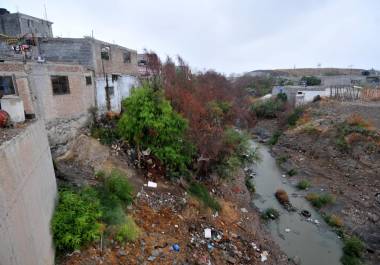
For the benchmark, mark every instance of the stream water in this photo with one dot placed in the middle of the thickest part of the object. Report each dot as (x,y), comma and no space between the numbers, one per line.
(311,243)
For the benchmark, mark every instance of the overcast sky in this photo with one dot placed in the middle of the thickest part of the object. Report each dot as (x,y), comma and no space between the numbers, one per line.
(229,36)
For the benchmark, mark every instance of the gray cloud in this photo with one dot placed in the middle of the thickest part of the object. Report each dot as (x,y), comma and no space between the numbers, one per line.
(226,35)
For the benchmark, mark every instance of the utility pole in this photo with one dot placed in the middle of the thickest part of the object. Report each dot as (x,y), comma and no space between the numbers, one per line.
(108,100)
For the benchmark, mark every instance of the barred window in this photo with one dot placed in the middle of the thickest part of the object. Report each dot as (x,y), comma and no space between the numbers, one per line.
(60,85)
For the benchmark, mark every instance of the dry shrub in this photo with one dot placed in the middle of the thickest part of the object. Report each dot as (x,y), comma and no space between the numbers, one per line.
(282,196)
(353,138)
(305,118)
(357,120)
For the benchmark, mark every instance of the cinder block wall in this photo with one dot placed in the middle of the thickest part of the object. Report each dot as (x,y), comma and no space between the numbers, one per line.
(27,198)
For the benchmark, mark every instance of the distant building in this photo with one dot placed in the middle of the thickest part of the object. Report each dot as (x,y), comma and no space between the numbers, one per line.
(18,25)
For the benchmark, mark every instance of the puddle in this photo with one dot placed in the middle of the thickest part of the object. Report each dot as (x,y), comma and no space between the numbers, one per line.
(314,244)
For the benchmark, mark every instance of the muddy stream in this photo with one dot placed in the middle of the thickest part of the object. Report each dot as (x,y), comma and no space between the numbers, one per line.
(309,241)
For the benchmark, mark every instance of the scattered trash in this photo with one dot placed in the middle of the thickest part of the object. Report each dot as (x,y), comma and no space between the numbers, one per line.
(316,222)
(152,184)
(175,247)
(244,210)
(176,226)
(287,230)
(264,256)
(284,176)
(210,246)
(207,233)
(146,152)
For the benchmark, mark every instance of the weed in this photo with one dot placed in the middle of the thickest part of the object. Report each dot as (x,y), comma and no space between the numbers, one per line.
(294,116)
(250,185)
(310,129)
(352,251)
(75,221)
(270,213)
(200,191)
(292,172)
(117,184)
(274,139)
(333,220)
(319,201)
(303,184)
(128,231)
(281,159)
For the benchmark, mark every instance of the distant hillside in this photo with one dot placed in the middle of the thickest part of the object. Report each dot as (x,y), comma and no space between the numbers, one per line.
(299,72)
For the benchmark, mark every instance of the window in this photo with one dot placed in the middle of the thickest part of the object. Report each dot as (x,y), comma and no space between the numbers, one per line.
(105,53)
(60,85)
(6,85)
(127,57)
(114,78)
(88,80)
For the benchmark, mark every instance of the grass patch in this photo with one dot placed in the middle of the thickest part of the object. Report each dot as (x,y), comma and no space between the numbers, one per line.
(250,185)
(333,220)
(270,214)
(294,116)
(292,172)
(303,184)
(352,251)
(128,231)
(318,201)
(281,159)
(199,191)
(274,138)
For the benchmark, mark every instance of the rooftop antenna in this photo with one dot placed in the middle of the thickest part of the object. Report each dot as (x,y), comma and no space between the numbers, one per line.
(92,33)
(45,12)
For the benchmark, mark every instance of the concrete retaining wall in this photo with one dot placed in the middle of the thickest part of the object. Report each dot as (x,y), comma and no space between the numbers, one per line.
(27,198)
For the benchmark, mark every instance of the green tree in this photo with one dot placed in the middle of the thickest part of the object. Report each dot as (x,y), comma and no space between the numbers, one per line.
(150,122)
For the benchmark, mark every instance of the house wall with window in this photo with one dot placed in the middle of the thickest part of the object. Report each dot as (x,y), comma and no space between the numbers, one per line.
(19,85)
(59,94)
(118,63)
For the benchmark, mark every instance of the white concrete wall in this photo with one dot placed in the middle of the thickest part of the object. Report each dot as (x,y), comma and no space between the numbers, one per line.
(14,106)
(27,198)
(122,88)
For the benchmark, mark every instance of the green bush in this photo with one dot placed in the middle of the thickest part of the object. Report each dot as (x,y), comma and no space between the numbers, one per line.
(200,191)
(311,80)
(352,251)
(150,122)
(269,108)
(116,193)
(128,231)
(75,221)
(237,151)
(117,183)
(303,184)
(294,116)
(270,213)
(319,201)
(274,139)
(282,96)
